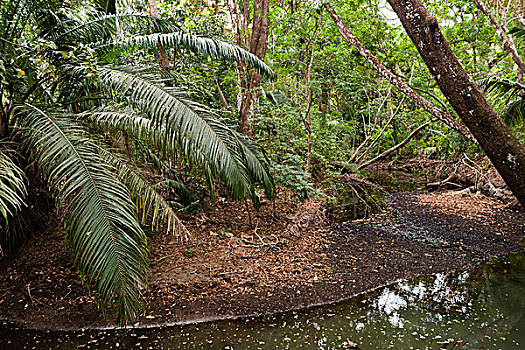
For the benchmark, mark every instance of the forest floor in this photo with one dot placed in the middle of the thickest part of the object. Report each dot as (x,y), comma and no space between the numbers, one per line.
(288,257)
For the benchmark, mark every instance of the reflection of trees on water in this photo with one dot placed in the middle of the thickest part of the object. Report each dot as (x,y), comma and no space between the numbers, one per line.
(452,310)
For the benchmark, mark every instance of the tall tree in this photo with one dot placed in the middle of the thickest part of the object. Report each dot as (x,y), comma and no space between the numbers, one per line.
(162,55)
(494,137)
(257,44)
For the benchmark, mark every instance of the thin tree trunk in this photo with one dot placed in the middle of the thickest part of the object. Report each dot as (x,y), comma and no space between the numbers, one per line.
(508,43)
(396,81)
(324,101)
(258,45)
(309,99)
(162,56)
(221,95)
(308,123)
(494,137)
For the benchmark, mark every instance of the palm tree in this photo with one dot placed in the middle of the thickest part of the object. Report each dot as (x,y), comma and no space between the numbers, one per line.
(507,97)
(65,85)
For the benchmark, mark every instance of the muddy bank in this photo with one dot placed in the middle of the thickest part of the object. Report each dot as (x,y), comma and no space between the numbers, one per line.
(262,263)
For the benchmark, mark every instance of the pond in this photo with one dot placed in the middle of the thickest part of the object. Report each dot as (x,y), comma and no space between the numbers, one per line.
(480,309)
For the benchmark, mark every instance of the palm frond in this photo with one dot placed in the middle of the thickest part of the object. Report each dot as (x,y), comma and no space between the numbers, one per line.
(190,129)
(149,201)
(507,98)
(178,126)
(500,86)
(103,26)
(514,112)
(106,240)
(150,204)
(197,142)
(198,44)
(12,186)
(517,32)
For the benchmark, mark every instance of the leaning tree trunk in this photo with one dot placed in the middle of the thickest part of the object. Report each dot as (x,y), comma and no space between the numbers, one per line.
(493,136)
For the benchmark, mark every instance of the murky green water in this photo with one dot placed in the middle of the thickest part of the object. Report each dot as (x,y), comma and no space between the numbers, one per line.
(482,309)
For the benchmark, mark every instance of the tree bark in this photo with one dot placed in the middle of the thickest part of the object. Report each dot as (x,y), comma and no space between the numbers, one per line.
(494,137)
(162,56)
(396,81)
(508,43)
(256,44)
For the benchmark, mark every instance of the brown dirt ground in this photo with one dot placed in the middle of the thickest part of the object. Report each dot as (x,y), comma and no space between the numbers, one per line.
(291,260)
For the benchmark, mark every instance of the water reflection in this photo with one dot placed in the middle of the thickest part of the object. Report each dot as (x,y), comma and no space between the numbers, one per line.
(483,309)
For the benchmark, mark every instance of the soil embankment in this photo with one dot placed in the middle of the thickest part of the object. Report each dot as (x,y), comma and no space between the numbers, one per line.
(240,265)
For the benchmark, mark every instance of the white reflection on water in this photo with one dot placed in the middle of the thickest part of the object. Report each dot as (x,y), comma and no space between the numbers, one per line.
(389,301)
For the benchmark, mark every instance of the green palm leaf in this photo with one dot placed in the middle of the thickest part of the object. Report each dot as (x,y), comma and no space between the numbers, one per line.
(108,245)
(12,186)
(188,128)
(150,204)
(517,32)
(500,86)
(514,112)
(198,44)
(507,97)
(104,27)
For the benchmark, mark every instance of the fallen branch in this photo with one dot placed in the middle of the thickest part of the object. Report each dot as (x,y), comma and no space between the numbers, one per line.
(440,183)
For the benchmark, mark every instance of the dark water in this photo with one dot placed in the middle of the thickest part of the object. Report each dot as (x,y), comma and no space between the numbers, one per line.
(358,200)
(481,309)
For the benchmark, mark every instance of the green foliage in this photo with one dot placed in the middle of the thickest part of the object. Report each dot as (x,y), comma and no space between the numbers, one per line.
(507,97)
(12,186)
(297,180)
(107,242)
(92,123)
(113,133)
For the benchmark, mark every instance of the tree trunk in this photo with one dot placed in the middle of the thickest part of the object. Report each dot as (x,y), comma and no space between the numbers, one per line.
(250,80)
(163,57)
(396,81)
(494,137)
(307,120)
(508,43)
(324,101)
(221,95)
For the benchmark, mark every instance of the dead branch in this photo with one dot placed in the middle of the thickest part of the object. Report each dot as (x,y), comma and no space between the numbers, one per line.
(396,147)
